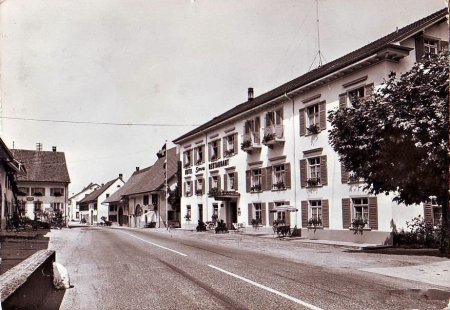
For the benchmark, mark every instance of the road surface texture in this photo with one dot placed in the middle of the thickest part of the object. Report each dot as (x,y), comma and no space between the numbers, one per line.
(116,268)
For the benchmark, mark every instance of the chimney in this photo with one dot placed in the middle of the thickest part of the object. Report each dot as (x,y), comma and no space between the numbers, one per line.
(120,176)
(137,168)
(38,146)
(54,148)
(250,93)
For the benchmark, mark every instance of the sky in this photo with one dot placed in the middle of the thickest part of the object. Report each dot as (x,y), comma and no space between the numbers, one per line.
(169,64)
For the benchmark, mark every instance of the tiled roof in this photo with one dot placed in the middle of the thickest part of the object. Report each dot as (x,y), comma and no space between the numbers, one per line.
(135,178)
(323,71)
(43,166)
(95,194)
(149,179)
(87,187)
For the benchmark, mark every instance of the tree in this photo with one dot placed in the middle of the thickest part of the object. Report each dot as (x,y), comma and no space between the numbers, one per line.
(396,139)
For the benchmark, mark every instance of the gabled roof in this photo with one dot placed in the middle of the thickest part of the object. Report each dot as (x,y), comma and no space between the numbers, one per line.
(43,166)
(87,187)
(95,194)
(135,178)
(338,64)
(149,179)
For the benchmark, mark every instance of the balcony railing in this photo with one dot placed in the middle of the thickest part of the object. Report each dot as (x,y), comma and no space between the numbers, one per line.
(273,135)
(250,142)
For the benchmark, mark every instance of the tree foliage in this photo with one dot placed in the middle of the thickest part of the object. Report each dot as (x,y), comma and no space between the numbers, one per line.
(397,138)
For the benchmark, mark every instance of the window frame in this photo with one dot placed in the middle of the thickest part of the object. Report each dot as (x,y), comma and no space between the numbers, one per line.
(363,203)
(355,98)
(313,170)
(256,180)
(35,190)
(278,177)
(200,155)
(257,206)
(315,204)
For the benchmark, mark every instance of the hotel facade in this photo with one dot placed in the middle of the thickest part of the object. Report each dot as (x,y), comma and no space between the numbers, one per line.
(273,149)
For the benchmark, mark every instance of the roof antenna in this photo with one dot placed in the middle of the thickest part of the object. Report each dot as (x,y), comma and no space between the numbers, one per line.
(319,53)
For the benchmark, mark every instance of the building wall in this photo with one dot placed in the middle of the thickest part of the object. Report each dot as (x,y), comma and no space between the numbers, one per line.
(73,208)
(7,199)
(46,200)
(292,151)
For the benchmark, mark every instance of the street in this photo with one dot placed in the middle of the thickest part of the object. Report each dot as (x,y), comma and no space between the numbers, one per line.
(114,268)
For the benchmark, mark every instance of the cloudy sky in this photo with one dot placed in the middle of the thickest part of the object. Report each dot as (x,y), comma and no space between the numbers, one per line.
(170,63)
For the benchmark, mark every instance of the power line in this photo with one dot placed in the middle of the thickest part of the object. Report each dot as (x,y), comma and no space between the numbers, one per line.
(98,123)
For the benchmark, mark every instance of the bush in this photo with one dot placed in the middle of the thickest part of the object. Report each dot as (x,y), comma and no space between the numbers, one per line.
(420,233)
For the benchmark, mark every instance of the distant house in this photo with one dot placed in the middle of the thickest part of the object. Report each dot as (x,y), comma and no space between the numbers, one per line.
(73,209)
(90,207)
(45,186)
(10,168)
(142,199)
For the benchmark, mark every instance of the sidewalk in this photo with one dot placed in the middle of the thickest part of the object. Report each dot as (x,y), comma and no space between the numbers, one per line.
(437,272)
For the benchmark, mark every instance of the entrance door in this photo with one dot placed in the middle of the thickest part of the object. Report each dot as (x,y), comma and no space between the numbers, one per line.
(120,216)
(200,212)
(92,217)
(233,214)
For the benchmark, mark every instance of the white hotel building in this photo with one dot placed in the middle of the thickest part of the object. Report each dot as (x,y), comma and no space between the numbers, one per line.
(273,149)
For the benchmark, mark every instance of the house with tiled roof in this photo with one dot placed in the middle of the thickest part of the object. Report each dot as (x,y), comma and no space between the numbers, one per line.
(90,207)
(45,185)
(73,209)
(142,199)
(10,169)
(270,155)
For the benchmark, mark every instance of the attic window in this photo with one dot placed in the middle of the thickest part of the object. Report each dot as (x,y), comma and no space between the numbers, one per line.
(430,47)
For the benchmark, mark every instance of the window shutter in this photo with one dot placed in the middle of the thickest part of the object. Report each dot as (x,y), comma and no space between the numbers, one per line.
(225,182)
(191,187)
(323,170)
(287,175)
(325,214)
(279,117)
(344,174)
(263,179)
(224,143)
(184,190)
(263,214)
(302,122)
(346,214)
(218,150)
(342,100)
(219,183)
(235,143)
(270,214)
(250,213)
(443,46)
(419,48)
(236,181)
(428,212)
(268,122)
(304,213)
(209,151)
(196,184)
(248,181)
(203,186)
(269,178)
(303,173)
(322,115)
(203,153)
(373,213)
(288,214)
(195,156)
(210,183)
(256,133)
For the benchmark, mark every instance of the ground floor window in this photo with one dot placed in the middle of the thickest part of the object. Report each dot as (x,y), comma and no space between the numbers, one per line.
(188,213)
(315,211)
(361,209)
(258,213)
(77,215)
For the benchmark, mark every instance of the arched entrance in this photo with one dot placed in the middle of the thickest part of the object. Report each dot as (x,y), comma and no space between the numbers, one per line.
(120,216)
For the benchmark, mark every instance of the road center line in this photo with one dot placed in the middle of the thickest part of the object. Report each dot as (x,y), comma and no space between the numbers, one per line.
(298,301)
(157,245)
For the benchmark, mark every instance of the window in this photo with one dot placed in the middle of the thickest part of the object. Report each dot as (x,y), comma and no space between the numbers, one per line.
(315,211)
(256,180)
(281,215)
(258,213)
(215,215)
(199,189)
(356,94)
(278,177)
(145,200)
(313,171)
(430,47)
(199,152)
(187,159)
(77,215)
(188,213)
(24,191)
(251,131)
(361,209)
(214,181)
(57,192)
(188,188)
(37,206)
(56,206)
(230,184)
(38,191)
(437,212)
(214,150)
(229,145)
(274,126)
(312,113)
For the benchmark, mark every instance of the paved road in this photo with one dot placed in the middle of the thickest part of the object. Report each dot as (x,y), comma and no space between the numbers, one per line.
(140,269)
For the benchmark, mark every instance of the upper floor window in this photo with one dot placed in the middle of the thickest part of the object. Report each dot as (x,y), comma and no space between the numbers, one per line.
(145,200)
(430,46)
(279,181)
(231,186)
(256,180)
(199,154)
(355,94)
(38,191)
(214,181)
(214,150)
(313,171)
(187,160)
(230,145)
(199,187)
(251,131)
(188,188)
(57,192)
(24,191)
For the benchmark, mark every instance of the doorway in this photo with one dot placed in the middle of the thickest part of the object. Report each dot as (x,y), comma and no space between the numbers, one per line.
(200,212)
(232,214)
(120,216)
